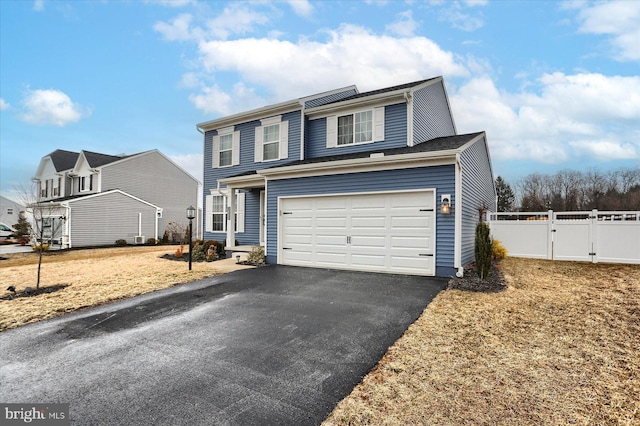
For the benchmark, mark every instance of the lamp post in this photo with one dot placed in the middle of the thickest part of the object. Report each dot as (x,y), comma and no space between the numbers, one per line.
(191,213)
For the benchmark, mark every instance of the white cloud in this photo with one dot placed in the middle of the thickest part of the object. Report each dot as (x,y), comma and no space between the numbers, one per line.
(289,69)
(568,116)
(38,5)
(301,7)
(460,20)
(213,100)
(171,3)
(619,20)
(404,25)
(235,19)
(52,107)
(4,105)
(191,163)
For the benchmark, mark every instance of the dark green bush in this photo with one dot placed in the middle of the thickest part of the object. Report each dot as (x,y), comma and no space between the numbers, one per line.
(152,242)
(197,254)
(165,237)
(121,243)
(483,250)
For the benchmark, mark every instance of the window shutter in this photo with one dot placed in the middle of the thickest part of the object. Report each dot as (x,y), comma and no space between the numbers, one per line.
(332,131)
(240,224)
(215,161)
(378,124)
(284,140)
(259,138)
(235,153)
(208,208)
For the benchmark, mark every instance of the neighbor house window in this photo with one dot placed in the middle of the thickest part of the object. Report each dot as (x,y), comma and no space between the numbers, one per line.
(271,142)
(226,150)
(355,128)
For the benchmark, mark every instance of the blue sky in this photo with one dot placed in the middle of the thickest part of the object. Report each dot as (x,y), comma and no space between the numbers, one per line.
(554,84)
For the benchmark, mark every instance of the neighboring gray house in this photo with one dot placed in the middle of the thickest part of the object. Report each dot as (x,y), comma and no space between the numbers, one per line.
(377,181)
(10,210)
(91,199)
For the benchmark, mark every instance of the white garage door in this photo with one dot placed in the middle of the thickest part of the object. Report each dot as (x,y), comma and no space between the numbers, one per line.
(379,232)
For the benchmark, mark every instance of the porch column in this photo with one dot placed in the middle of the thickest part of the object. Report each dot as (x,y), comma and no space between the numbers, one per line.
(231,218)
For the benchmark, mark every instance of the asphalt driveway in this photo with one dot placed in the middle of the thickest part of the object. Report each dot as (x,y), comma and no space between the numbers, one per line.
(273,345)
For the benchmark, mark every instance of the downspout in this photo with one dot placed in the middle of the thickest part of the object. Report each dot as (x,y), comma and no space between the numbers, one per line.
(457,256)
(302,132)
(67,224)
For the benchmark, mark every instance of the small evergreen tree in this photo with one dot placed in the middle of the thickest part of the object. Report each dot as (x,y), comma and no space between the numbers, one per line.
(23,228)
(483,250)
(506,197)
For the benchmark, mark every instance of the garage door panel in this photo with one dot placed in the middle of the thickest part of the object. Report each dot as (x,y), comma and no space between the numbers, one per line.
(370,232)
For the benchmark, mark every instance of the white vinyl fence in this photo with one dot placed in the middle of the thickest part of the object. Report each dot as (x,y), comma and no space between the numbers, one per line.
(584,236)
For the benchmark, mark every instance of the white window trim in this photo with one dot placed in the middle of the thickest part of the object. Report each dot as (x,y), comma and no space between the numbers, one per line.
(240,211)
(235,147)
(377,127)
(283,142)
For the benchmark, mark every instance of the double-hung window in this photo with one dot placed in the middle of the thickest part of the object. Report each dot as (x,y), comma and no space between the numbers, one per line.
(272,139)
(226,148)
(217,212)
(271,142)
(355,128)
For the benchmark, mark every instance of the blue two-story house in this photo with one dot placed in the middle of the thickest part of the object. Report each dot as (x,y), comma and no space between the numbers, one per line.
(377,181)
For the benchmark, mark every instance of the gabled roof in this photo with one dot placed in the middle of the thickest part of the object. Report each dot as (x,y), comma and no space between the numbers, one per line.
(63,160)
(387,89)
(95,159)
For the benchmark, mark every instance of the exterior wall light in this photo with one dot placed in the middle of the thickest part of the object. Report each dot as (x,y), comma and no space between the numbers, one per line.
(445,203)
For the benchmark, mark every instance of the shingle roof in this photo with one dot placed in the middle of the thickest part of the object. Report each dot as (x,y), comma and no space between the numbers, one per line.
(444,143)
(385,90)
(63,160)
(95,159)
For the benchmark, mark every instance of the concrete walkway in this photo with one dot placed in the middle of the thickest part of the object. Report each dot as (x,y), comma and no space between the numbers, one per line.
(271,345)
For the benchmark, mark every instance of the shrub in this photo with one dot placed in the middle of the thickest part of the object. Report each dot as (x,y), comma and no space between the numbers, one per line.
(41,247)
(197,254)
(256,255)
(498,250)
(483,250)
(179,251)
(196,243)
(211,253)
(121,243)
(152,242)
(165,237)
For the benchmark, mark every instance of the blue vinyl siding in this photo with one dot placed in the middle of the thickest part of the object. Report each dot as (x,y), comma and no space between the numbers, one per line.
(247,164)
(395,135)
(442,178)
(478,190)
(431,115)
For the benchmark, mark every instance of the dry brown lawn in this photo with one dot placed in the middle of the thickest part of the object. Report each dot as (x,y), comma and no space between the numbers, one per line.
(560,346)
(94,277)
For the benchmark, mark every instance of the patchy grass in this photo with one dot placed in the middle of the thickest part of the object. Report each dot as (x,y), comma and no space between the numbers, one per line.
(93,277)
(559,346)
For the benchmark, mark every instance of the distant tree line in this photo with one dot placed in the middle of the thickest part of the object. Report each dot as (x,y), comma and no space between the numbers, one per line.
(571,190)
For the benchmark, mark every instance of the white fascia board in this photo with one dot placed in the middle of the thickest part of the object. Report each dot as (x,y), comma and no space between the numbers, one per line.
(365,164)
(250,181)
(380,99)
(472,141)
(254,114)
(100,194)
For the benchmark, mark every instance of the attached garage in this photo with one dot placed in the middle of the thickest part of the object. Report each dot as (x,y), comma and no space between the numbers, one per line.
(379,232)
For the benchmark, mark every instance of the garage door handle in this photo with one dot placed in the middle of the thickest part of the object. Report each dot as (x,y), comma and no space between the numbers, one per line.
(426,254)
(287,248)
(426,210)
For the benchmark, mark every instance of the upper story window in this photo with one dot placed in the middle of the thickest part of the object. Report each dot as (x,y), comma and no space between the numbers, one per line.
(85,183)
(272,139)
(226,148)
(355,128)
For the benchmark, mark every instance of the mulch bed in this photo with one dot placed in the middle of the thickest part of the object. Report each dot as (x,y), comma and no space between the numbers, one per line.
(30,292)
(494,283)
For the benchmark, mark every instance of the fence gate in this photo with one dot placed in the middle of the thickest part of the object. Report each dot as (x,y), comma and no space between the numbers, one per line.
(581,236)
